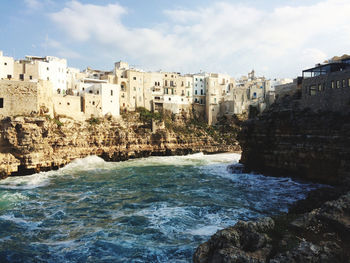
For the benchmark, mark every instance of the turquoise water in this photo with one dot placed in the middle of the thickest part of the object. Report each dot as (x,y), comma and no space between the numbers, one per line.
(157,209)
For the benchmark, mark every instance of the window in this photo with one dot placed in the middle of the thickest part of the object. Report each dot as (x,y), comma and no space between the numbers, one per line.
(5,64)
(47,68)
(122,87)
(90,91)
(134,78)
(188,93)
(338,84)
(332,84)
(166,83)
(48,78)
(134,88)
(9,76)
(97,92)
(312,90)
(344,84)
(254,95)
(111,92)
(201,92)
(214,100)
(30,77)
(68,103)
(166,75)
(348,82)
(93,103)
(319,87)
(155,83)
(169,99)
(166,91)
(21,76)
(201,101)
(1,103)
(195,92)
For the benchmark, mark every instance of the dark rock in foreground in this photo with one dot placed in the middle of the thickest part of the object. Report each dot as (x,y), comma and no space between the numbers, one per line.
(321,235)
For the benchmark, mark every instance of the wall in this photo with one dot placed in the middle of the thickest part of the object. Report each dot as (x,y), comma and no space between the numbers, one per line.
(24,97)
(325,97)
(92,105)
(110,98)
(6,66)
(68,106)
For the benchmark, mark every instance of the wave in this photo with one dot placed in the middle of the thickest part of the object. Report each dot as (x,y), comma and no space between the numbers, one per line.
(95,163)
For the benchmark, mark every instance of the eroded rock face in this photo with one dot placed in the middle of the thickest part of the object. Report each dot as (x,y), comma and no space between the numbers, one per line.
(321,235)
(287,141)
(244,242)
(33,144)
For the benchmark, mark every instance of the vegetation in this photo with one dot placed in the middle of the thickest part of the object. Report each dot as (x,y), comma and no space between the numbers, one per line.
(147,116)
(94,121)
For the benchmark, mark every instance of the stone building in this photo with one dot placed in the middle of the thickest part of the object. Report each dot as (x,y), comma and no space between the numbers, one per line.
(327,86)
(131,86)
(48,68)
(25,98)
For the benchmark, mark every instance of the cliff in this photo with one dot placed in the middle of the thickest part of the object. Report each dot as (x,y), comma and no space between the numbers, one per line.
(319,235)
(287,141)
(33,144)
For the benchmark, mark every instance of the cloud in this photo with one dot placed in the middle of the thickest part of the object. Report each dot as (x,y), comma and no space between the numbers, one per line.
(221,37)
(32,4)
(61,50)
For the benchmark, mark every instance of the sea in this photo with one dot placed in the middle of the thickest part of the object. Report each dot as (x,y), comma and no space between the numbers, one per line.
(156,209)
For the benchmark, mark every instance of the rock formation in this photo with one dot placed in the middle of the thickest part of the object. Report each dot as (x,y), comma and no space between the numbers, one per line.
(321,235)
(286,141)
(33,144)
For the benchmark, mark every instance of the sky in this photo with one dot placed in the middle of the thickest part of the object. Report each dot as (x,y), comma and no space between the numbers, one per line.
(276,38)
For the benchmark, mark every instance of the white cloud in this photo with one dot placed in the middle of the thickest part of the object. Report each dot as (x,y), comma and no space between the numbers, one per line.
(220,37)
(32,4)
(61,50)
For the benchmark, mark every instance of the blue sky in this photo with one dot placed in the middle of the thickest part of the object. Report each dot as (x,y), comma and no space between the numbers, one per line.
(276,38)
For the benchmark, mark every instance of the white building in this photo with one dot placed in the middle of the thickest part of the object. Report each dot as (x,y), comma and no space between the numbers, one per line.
(199,86)
(100,97)
(6,66)
(48,68)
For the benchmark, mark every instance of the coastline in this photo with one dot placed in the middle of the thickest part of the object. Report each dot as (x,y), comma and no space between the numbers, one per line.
(32,144)
(314,229)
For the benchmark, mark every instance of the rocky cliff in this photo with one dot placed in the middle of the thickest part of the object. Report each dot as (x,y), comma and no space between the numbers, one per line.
(320,235)
(286,141)
(300,143)
(33,144)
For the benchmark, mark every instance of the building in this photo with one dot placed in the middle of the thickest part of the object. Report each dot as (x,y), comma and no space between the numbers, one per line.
(131,86)
(6,66)
(48,68)
(327,86)
(25,98)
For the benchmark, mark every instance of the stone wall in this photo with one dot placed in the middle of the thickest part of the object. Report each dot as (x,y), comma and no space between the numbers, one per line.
(25,98)
(69,106)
